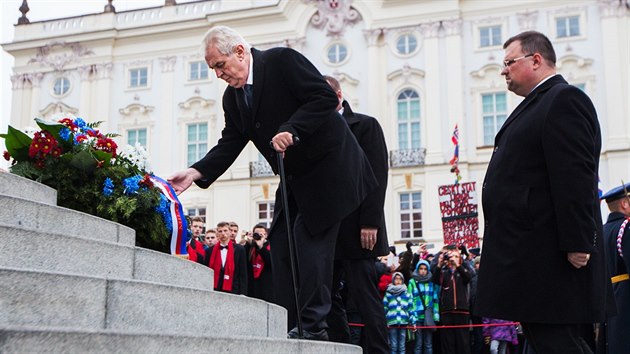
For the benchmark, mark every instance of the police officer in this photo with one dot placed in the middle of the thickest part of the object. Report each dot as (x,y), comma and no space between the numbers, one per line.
(617,251)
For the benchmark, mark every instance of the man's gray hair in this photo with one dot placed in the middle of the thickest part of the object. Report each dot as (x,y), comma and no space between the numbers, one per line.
(224,39)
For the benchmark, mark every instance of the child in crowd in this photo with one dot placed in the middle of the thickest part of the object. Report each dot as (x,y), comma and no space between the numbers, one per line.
(499,336)
(397,302)
(425,300)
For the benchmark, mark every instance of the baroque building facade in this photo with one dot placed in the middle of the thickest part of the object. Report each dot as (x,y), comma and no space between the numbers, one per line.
(420,67)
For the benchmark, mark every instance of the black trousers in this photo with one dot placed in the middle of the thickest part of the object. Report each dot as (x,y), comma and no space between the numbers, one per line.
(556,338)
(361,282)
(455,340)
(315,254)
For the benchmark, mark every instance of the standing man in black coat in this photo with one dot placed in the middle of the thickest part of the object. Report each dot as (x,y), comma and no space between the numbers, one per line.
(543,242)
(362,238)
(617,247)
(275,96)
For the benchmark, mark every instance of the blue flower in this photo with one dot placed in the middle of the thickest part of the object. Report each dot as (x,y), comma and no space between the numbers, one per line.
(108,187)
(64,133)
(80,123)
(131,184)
(163,208)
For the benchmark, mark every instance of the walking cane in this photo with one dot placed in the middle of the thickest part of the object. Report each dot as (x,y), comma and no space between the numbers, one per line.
(292,256)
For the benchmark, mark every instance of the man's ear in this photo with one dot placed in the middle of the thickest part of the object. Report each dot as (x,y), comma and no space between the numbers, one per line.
(239,50)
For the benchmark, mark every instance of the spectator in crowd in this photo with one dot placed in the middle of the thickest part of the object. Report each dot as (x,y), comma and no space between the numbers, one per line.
(228,260)
(385,266)
(211,238)
(194,246)
(425,297)
(540,199)
(477,340)
(453,278)
(405,260)
(397,302)
(277,95)
(259,266)
(617,251)
(362,237)
(233,231)
(499,336)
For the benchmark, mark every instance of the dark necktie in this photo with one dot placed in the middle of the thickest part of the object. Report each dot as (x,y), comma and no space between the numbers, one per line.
(248,91)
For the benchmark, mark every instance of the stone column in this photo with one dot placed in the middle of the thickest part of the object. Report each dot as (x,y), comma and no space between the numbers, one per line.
(86,74)
(166,123)
(36,83)
(453,99)
(376,100)
(21,101)
(433,129)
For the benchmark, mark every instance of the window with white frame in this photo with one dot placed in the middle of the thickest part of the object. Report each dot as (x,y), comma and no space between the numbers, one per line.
(265,213)
(200,212)
(408,107)
(197,142)
(337,53)
(137,136)
(138,77)
(494,113)
(568,26)
(61,86)
(406,44)
(410,215)
(198,70)
(490,36)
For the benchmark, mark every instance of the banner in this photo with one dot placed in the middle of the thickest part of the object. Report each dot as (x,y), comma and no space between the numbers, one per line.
(460,222)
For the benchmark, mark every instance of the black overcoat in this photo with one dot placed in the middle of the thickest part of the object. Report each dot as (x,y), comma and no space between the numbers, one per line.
(239,283)
(369,134)
(540,201)
(618,328)
(327,173)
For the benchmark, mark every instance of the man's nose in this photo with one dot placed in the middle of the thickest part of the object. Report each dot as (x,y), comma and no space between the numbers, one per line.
(218,72)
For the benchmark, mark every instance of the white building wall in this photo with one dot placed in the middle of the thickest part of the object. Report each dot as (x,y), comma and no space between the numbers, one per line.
(448,70)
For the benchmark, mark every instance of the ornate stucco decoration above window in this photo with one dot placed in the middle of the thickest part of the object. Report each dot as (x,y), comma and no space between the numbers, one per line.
(334,15)
(58,54)
(55,108)
(136,108)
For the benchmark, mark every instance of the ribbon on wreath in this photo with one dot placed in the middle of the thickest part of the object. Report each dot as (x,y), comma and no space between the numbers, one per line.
(178,219)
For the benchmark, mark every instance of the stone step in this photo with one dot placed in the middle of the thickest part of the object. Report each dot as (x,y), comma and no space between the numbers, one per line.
(19,187)
(20,212)
(54,340)
(29,249)
(42,299)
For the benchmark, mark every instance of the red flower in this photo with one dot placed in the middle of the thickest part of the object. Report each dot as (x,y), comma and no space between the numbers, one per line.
(100,164)
(94,133)
(107,145)
(40,164)
(6,155)
(43,143)
(56,152)
(81,138)
(68,123)
(146,181)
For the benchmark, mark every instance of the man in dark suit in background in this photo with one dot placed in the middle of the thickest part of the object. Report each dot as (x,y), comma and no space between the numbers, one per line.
(617,248)
(277,95)
(362,238)
(543,261)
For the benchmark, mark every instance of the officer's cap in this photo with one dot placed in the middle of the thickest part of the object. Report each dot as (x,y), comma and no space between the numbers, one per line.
(616,193)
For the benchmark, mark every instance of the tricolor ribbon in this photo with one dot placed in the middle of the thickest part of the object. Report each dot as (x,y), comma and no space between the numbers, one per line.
(178,235)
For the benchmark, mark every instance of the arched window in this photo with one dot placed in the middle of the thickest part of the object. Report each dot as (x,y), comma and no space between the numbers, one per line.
(408,106)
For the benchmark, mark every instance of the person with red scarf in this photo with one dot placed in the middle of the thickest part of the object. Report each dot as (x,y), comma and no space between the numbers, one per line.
(259,265)
(228,260)
(194,247)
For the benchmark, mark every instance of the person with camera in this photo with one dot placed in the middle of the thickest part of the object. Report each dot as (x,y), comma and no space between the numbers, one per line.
(453,278)
(259,264)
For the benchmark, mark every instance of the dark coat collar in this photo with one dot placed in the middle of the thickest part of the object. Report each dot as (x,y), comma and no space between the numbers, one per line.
(348,114)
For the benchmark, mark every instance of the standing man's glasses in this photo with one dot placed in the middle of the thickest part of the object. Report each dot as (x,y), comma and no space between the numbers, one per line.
(507,63)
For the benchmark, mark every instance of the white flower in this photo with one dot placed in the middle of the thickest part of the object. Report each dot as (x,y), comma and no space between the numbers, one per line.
(137,155)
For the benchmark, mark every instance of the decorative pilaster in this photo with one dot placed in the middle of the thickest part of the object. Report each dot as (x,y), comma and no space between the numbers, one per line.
(372,36)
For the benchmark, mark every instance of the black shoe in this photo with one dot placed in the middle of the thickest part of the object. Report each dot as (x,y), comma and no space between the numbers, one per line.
(319,335)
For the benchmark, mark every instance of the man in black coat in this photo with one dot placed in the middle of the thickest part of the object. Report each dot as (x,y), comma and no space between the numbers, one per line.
(228,261)
(617,250)
(277,95)
(362,238)
(543,261)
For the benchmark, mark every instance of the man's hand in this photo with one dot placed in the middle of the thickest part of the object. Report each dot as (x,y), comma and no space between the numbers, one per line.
(282,141)
(181,180)
(578,259)
(368,237)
